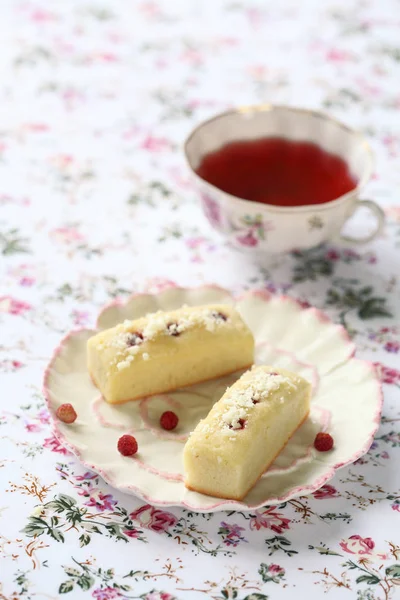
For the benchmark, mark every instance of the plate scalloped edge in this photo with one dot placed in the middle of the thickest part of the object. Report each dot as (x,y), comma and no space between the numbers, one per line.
(222,503)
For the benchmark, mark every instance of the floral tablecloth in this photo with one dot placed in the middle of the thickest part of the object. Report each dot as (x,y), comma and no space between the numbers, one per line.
(96,99)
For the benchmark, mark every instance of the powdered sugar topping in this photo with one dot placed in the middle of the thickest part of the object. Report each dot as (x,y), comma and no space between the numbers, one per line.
(127,341)
(239,402)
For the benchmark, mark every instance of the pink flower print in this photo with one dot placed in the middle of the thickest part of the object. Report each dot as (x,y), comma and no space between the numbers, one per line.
(231,534)
(199,103)
(359,546)
(153,518)
(154,595)
(44,416)
(101,501)
(12,306)
(276,569)
(192,56)
(87,476)
(396,507)
(87,490)
(109,57)
(211,209)
(39,15)
(258,72)
(255,16)
(248,239)
(385,454)
(130,132)
(272,572)
(150,9)
(355,544)
(387,374)
(80,317)
(269,519)
(392,144)
(54,445)
(66,235)
(338,56)
(32,427)
(332,255)
(107,593)
(72,96)
(194,242)
(132,533)
(63,161)
(16,364)
(368,90)
(326,491)
(26,281)
(155,144)
(37,127)
(392,347)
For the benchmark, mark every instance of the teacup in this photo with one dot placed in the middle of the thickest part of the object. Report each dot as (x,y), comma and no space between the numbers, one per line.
(266,228)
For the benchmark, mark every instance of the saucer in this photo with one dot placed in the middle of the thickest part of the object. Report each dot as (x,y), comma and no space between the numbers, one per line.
(345,391)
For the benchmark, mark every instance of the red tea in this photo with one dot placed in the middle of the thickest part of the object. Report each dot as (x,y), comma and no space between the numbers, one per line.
(277,171)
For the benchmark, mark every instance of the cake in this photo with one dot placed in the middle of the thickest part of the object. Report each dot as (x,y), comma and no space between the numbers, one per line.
(244,432)
(167,350)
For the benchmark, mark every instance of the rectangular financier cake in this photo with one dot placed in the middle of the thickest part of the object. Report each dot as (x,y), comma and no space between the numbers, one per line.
(167,350)
(244,432)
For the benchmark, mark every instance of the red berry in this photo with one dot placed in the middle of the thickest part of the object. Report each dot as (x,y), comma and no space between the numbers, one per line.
(323,442)
(66,413)
(127,445)
(169,420)
(241,422)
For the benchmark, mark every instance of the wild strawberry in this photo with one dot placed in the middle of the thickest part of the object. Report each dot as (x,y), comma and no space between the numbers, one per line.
(66,413)
(169,420)
(323,442)
(127,445)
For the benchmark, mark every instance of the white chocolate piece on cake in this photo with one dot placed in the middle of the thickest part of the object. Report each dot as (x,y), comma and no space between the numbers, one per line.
(167,350)
(244,432)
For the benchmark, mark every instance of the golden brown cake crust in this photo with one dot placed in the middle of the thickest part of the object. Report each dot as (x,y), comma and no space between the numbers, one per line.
(172,389)
(238,499)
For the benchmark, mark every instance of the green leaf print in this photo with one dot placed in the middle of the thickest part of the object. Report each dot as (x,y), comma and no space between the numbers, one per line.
(12,243)
(84,539)
(66,586)
(85,582)
(67,515)
(310,267)
(370,579)
(348,298)
(256,596)
(374,307)
(393,571)
(278,543)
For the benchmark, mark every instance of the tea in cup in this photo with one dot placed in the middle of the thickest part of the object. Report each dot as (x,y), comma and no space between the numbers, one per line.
(274,178)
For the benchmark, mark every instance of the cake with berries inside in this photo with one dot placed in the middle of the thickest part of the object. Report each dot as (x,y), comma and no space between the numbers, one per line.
(244,432)
(167,350)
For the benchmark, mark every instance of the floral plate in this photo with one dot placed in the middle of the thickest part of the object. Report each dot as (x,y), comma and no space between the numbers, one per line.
(346,392)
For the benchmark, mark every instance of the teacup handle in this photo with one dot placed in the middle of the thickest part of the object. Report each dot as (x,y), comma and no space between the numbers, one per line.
(379,217)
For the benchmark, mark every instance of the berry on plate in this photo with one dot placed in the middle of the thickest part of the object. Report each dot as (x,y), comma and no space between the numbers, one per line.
(66,413)
(169,420)
(127,445)
(323,442)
